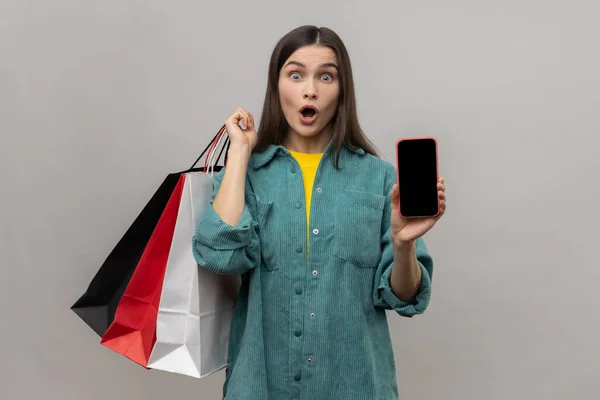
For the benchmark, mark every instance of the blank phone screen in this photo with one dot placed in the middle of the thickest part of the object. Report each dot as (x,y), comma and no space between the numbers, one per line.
(417,177)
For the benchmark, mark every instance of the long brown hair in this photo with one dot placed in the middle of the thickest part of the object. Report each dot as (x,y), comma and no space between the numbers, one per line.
(346,129)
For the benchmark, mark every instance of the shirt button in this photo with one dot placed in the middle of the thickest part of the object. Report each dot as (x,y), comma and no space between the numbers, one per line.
(315,231)
(315,272)
(298,249)
(293,170)
(319,190)
(298,333)
(298,205)
(309,359)
(297,377)
(312,314)
(298,290)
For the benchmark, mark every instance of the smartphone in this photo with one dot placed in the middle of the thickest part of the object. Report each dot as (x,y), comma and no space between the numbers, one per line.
(417,174)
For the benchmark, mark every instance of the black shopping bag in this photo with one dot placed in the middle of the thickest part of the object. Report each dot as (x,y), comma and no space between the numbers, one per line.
(98,304)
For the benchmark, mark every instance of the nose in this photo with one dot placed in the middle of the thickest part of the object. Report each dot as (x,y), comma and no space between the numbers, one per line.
(310,92)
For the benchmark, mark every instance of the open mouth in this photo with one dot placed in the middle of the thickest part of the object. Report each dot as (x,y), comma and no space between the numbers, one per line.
(309,114)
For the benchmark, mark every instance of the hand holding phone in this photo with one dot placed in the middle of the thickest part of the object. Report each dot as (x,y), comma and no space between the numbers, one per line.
(417,175)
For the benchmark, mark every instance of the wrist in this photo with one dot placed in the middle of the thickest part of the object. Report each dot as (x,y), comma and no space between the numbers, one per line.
(405,246)
(239,151)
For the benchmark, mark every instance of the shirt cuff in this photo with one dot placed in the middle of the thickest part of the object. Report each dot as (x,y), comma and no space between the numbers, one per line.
(216,234)
(407,309)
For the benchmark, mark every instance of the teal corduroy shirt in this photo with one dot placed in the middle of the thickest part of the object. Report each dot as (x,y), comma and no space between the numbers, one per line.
(313,330)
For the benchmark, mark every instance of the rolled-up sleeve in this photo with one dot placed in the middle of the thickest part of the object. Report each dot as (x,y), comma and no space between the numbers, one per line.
(386,298)
(221,247)
(383,296)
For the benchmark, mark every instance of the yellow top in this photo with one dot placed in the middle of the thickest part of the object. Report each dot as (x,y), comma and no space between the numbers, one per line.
(308,166)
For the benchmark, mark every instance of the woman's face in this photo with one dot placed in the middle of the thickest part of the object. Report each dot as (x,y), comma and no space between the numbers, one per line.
(309,78)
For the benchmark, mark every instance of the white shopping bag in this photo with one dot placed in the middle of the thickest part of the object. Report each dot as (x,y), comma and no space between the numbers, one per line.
(196,305)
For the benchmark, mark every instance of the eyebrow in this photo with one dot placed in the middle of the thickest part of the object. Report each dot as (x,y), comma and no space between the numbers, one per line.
(304,66)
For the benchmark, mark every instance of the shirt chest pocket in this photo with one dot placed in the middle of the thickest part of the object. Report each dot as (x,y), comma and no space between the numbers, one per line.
(358,218)
(269,235)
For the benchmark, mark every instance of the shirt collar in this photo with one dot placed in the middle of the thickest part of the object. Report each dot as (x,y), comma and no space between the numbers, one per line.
(262,158)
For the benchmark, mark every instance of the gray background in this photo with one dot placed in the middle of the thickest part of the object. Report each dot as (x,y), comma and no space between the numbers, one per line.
(100,99)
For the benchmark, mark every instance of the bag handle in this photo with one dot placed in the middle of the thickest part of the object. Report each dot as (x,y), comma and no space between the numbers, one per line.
(210,161)
(214,139)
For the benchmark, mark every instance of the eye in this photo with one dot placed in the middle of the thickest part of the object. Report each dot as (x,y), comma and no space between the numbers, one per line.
(328,76)
(295,75)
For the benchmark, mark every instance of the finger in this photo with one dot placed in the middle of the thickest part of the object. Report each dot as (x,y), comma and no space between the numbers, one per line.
(251,120)
(394,194)
(442,195)
(248,119)
(441,186)
(240,116)
(231,123)
(233,118)
(245,118)
(442,207)
(237,116)
(442,180)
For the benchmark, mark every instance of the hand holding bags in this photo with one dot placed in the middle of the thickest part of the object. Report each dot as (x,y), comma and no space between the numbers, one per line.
(171,315)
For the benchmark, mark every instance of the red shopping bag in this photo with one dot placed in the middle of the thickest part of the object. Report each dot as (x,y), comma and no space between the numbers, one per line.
(132,333)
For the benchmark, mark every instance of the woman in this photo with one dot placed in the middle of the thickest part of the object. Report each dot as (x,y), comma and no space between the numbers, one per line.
(308,215)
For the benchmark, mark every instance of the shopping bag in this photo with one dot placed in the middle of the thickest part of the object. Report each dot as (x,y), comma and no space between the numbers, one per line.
(98,304)
(196,304)
(132,333)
